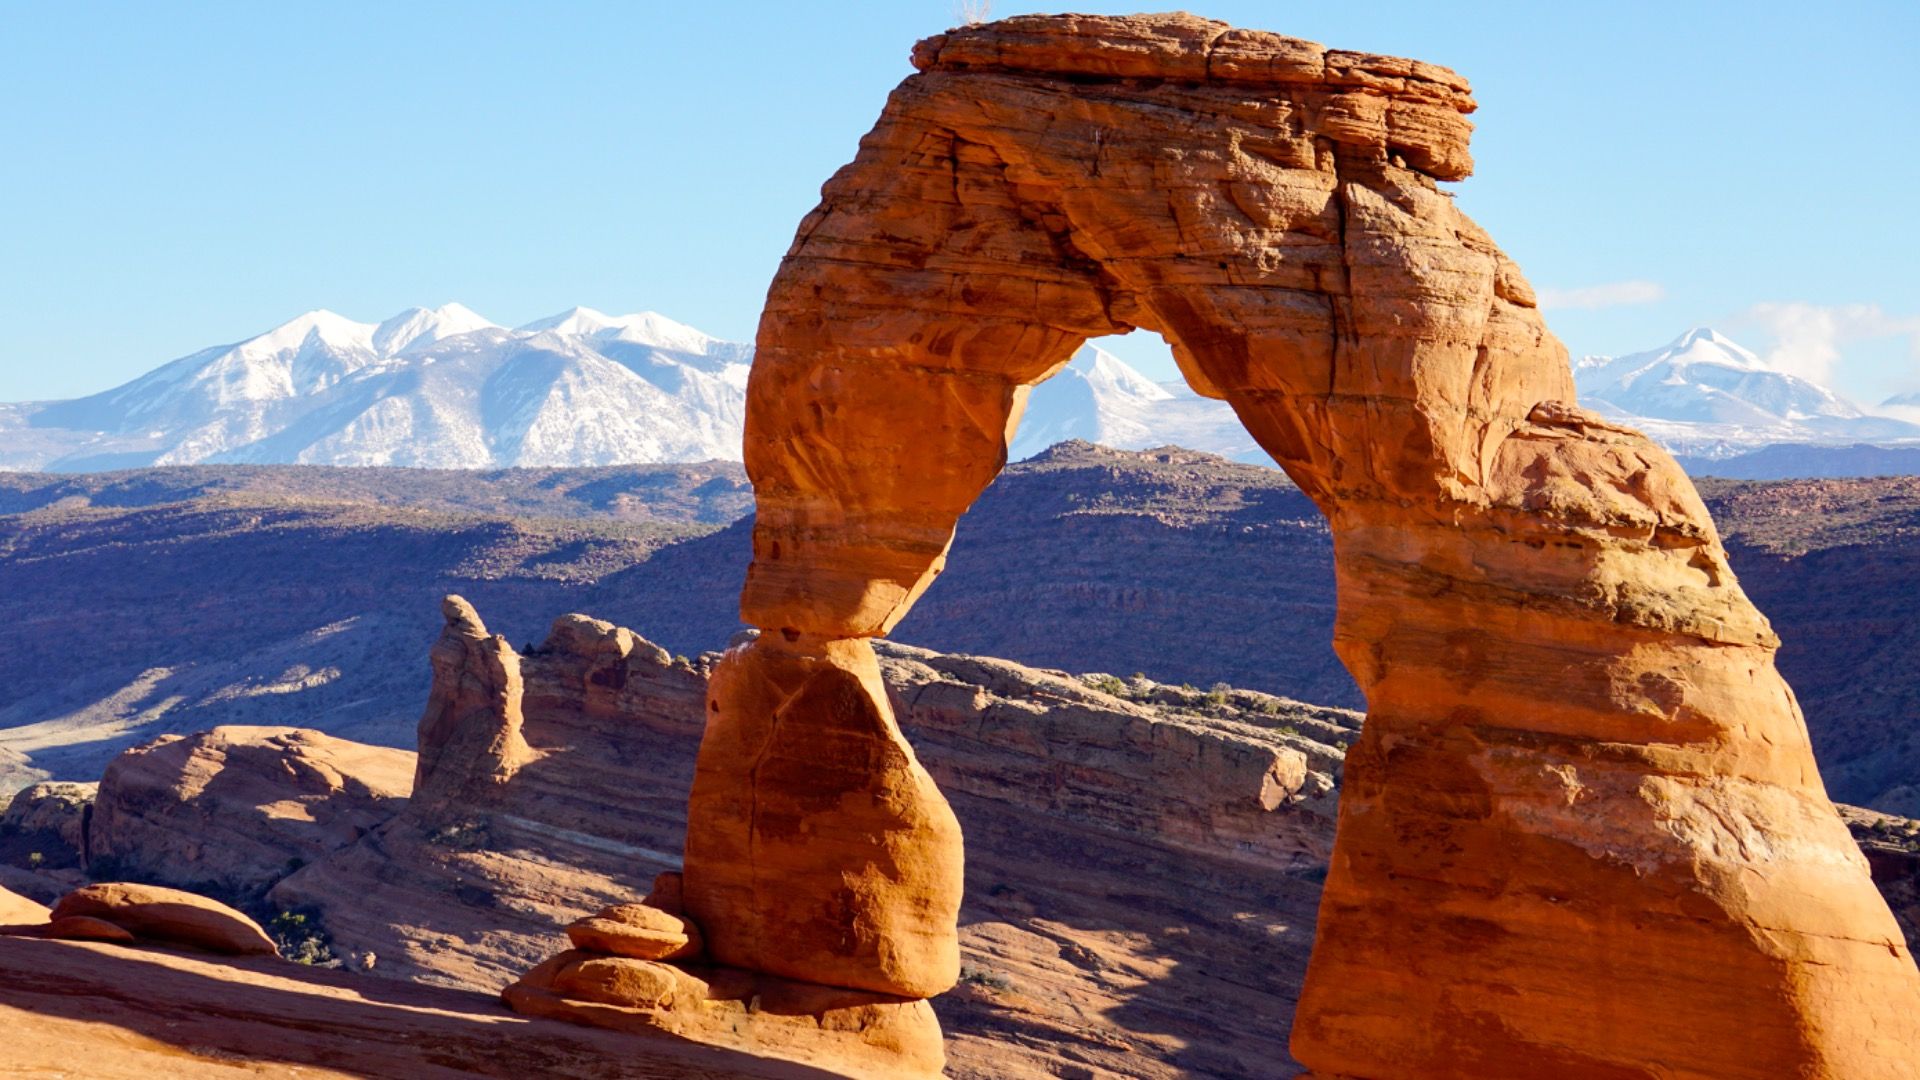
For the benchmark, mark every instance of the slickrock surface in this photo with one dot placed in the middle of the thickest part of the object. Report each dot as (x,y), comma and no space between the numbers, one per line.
(1582,831)
(230,809)
(101,1012)
(17,910)
(851,1033)
(1140,868)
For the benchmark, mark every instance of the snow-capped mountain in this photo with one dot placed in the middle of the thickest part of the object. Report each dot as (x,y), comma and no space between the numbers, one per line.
(1706,396)
(1099,398)
(447,388)
(440,388)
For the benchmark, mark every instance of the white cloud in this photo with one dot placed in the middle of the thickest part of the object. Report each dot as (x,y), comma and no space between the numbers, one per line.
(1807,338)
(1595,297)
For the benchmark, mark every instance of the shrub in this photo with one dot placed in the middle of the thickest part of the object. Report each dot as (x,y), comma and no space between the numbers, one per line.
(468,834)
(301,938)
(974,975)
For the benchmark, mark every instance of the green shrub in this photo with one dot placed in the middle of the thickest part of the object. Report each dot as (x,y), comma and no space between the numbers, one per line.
(301,938)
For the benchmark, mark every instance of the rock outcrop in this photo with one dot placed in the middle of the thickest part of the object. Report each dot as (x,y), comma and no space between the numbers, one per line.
(50,819)
(475,675)
(1142,873)
(157,915)
(1582,831)
(74,1009)
(1892,847)
(235,809)
(825,853)
(640,967)
(1145,855)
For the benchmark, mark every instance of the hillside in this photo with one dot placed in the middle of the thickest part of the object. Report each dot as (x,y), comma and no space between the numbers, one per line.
(311,591)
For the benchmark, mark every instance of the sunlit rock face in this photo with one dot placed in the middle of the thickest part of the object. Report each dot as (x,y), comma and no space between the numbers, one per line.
(1582,832)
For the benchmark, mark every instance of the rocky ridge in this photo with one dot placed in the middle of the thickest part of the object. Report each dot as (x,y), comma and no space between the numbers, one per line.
(1142,856)
(1141,853)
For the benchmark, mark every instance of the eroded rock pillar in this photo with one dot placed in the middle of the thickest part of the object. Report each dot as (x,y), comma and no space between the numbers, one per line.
(823,851)
(895,355)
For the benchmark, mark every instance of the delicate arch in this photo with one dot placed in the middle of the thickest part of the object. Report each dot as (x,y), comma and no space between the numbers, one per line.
(1582,832)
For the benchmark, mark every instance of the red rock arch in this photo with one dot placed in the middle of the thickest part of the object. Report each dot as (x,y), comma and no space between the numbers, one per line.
(1582,835)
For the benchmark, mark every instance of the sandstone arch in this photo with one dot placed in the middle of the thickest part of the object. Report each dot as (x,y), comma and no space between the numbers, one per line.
(1583,834)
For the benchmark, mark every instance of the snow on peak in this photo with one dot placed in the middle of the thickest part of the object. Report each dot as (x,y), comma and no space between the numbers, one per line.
(1115,376)
(424,326)
(1704,390)
(1703,344)
(327,327)
(575,320)
(647,328)
(1100,398)
(653,328)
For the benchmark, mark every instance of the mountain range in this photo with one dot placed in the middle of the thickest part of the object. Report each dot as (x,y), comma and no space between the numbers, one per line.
(1704,396)
(439,388)
(448,388)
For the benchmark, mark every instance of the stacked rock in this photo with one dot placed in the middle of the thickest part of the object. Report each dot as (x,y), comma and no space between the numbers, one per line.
(620,955)
(644,968)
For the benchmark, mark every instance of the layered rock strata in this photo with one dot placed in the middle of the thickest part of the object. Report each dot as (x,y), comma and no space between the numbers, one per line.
(234,809)
(1582,832)
(1138,902)
(1142,860)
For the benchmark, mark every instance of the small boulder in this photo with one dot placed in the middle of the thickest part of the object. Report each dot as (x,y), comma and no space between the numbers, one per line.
(86,928)
(666,894)
(170,917)
(17,910)
(638,931)
(630,983)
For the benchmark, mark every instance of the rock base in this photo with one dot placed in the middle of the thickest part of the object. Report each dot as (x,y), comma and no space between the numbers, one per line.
(851,1032)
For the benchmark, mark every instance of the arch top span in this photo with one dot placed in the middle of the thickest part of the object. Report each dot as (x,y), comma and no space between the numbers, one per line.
(1268,205)
(1409,107)
(1582,831)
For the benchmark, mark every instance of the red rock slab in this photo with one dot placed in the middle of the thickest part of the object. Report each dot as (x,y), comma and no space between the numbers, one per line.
(77,1009)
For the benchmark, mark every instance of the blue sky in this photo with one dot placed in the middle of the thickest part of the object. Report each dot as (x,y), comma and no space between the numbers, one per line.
(180,175)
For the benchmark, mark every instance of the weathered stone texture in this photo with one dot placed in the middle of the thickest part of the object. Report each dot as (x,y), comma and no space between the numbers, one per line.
(236,809)
(1583,828)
